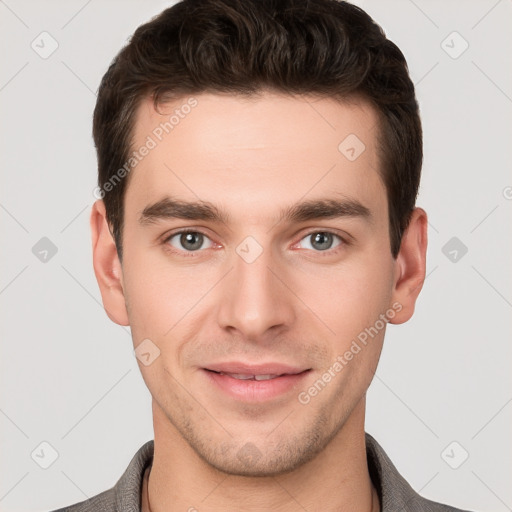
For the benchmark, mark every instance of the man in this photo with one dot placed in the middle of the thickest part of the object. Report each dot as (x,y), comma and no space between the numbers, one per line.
(259,163)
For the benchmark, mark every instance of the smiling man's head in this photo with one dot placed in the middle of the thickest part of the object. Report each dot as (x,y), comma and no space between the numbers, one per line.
(259,162)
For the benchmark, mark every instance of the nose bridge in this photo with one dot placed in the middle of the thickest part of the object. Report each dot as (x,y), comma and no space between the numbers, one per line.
(255,301)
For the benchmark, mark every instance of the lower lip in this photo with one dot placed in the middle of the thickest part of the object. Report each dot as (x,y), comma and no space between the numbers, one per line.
(256,390)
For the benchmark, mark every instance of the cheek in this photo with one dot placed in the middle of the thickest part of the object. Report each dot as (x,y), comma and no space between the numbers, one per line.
(161,295)
(142,294)
(145,287)
(350,297)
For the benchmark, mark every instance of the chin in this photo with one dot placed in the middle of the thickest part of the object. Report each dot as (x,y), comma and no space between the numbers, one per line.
(262,457)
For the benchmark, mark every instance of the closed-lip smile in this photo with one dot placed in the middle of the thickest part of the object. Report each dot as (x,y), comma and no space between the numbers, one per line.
(255,382)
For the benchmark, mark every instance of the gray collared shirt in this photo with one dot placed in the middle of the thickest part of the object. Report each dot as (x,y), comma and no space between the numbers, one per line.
(395,494)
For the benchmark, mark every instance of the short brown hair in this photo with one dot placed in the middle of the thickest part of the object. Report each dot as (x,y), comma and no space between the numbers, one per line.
(328,48)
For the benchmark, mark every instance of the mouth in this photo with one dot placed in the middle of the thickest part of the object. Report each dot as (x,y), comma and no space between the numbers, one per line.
(255,383)
(242,376)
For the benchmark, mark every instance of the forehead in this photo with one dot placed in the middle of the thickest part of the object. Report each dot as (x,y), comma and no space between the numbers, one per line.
(257,150)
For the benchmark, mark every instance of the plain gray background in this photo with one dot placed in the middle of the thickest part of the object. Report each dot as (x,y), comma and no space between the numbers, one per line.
(68,375)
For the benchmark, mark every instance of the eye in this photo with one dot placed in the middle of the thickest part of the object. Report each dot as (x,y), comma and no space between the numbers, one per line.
(189,241)
(320,241)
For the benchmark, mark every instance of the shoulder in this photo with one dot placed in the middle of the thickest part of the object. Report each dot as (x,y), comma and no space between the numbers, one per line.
(126,493)
(395,494)
(104,502)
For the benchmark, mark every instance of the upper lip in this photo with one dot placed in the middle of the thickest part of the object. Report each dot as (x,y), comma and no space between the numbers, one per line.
(255,369)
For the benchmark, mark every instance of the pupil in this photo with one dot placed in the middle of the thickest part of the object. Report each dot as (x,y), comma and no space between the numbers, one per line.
(191,241)
(321,241)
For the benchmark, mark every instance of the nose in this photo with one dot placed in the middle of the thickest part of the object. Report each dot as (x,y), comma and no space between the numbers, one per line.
(255,302)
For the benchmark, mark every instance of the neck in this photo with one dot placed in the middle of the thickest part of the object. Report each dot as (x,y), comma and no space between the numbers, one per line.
(337,479)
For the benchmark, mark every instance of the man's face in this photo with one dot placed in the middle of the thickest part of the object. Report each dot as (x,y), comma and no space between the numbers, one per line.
(286,263)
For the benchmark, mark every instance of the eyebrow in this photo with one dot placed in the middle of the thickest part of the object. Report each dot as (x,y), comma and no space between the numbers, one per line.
(169,208)
(325,209)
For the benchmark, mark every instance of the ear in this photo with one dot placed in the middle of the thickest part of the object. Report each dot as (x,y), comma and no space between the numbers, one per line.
(107,267)
(410,266)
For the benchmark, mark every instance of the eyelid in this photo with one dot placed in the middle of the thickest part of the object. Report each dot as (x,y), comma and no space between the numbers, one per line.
(344,238)
(181,231)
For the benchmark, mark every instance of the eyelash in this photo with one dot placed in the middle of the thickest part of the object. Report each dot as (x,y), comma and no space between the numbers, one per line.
(186,254)
(343,242)
(328,252)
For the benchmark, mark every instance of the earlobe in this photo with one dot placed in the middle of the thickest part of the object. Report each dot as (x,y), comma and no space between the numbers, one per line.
(107,266)
(410,266)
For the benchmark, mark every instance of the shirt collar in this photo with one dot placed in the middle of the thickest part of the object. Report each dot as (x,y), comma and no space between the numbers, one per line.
(393,490)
